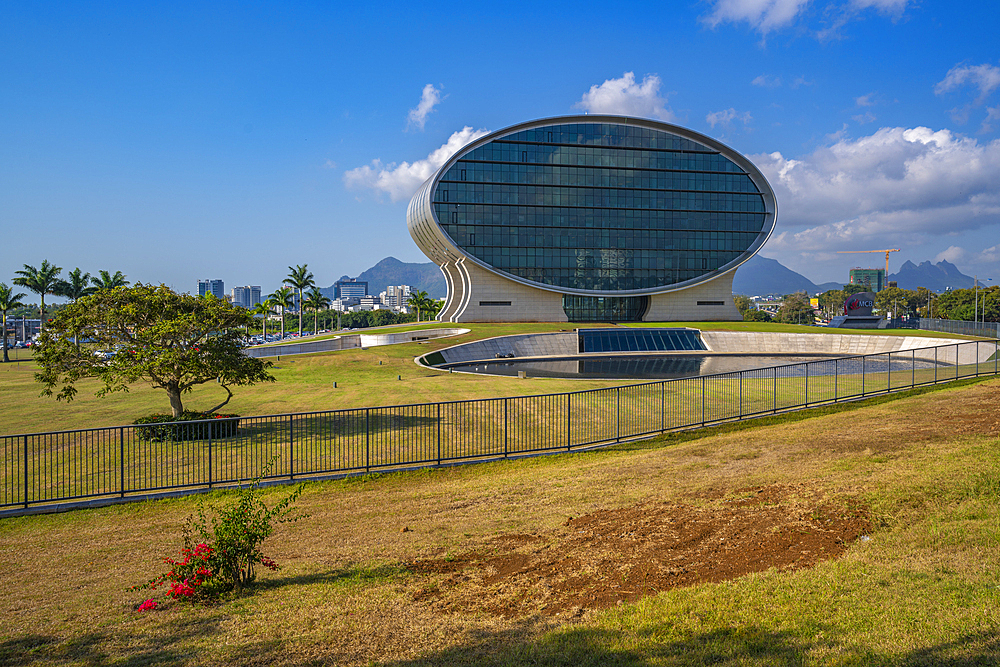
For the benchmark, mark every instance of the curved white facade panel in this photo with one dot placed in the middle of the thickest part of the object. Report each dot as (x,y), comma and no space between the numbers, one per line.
(592,218)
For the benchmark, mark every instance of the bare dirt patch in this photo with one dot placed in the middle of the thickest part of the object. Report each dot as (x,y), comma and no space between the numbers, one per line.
(615,556)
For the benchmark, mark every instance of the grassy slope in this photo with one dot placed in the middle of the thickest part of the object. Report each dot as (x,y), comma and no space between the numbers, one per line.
(924,590)
(305,383)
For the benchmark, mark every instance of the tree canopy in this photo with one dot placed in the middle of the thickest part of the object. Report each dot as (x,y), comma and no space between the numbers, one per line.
(147,333)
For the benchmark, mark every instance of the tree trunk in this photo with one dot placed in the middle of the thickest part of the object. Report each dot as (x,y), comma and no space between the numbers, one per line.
(5,358)
(176,406)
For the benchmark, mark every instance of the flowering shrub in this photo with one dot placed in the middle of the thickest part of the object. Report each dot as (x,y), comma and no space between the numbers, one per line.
(225,557)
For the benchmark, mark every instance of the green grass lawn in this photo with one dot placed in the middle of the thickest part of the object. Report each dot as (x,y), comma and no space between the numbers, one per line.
(923,590)
(305,383)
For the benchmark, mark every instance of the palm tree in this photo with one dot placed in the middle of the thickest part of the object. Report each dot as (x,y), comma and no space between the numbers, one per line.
(107,281)
(418,299)
(301,278)
(263,309)
(282,298)
(8,301)
(316,301)
(41,281)
(78,285)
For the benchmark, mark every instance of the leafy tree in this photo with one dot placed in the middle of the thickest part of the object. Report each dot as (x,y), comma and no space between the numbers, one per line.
(796,309)
(282,299)
(757,316)
(78,285)
(301,279)
(41,281)
(744,304)
(8,301)
(104,280)
(316,301)
(171,341)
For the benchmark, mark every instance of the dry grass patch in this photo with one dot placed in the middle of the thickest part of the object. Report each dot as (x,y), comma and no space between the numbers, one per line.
(924,588)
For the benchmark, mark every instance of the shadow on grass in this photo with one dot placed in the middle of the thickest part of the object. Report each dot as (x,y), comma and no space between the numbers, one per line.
(599,647)
(349,576)
(163,646)
(519,645)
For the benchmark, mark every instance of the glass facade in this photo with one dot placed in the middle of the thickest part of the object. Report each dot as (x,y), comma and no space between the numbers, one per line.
(604,308)
(639,340)
(599,206)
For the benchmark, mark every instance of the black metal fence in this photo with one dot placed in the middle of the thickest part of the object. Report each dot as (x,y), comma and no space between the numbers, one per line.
(984,329)
(50,468)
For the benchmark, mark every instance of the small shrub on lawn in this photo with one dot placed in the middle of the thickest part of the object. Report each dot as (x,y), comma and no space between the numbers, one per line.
(161,428)
(224,557)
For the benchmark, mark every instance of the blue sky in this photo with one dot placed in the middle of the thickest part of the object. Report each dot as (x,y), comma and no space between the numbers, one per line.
(179,141)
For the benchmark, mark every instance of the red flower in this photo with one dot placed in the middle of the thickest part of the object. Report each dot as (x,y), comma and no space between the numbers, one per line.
(147,605)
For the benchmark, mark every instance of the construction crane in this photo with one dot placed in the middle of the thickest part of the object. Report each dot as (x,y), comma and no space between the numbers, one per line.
(886,257)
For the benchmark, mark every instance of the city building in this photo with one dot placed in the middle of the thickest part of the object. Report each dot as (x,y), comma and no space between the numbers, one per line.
(247,296)
(592,218)
(350,289)
(872,279)
(395,297)
(216,287)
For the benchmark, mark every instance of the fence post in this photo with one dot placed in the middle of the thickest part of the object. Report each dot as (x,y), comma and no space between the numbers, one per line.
(505,422)
(774,390)
(569,421)
(618,420)
(663,406)
(888,374)
(121,458)
(956,361)
(439,433)
(913,368)
(807,384)
(741,394)
(209,453)
(25,472)
(863,375)
(291,447)
(368,443)
(702,400)
(935,364)
(836,378)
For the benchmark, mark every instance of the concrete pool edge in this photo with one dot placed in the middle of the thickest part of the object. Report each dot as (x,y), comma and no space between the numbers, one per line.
(563,345)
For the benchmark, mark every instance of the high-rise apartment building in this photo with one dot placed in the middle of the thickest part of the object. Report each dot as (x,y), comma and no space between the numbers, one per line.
(247,296)
(215,287)
(872,279)
(396,296)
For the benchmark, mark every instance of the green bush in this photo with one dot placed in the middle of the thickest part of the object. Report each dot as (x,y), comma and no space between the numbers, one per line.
(167,428)
(224,557)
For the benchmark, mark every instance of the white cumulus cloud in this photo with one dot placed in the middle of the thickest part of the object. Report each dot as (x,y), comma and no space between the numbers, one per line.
(429,98)
(984,77)
(765,16)
(726,118)
(895,184)
(625,97)
(401,180)
(762,15)
(951,254)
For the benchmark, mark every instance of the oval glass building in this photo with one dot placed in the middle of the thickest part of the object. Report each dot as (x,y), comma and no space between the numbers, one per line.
(592,219)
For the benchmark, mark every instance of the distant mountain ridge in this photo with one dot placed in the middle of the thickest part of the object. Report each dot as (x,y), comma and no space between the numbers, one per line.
(760,276)
(424,276)
(935,277)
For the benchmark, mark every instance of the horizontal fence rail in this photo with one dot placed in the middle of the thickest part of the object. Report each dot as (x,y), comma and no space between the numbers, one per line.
(41,469)
(984,329)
